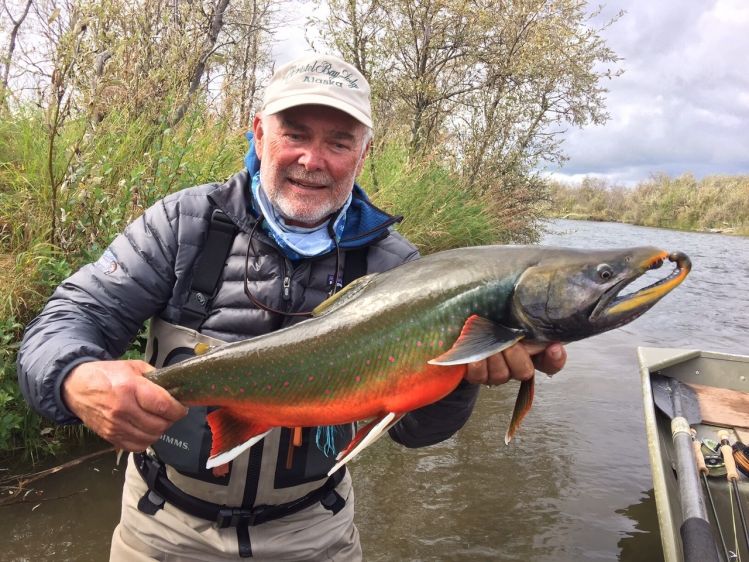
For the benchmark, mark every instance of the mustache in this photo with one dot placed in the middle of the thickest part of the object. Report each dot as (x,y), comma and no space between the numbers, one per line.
(304,176)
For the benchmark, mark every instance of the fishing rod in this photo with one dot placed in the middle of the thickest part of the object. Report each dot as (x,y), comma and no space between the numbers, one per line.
(733,476)
(703,470)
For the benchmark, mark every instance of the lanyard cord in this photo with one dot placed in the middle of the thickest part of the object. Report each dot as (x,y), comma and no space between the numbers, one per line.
(254,300)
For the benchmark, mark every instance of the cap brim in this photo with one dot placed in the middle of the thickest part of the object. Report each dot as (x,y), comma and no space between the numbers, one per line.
(313,99)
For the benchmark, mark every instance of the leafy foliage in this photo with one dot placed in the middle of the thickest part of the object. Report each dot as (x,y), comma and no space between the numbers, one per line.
(713,203)
(486,87)
(111,178)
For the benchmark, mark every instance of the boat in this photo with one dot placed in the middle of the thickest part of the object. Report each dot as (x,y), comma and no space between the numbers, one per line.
(720,384)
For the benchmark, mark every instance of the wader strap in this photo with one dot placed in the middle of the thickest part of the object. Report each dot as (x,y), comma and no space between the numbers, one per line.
(154,474)
(355,265)
(208,268)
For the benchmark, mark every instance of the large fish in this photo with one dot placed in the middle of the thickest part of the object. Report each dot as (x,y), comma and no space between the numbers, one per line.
(392,342)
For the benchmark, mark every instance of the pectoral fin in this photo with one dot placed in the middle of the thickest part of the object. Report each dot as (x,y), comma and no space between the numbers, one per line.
(479,339)
(523,405)
(366,435)
(232,435)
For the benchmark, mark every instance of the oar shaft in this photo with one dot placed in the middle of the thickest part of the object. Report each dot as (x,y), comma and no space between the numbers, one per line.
(696,534)
(686,470)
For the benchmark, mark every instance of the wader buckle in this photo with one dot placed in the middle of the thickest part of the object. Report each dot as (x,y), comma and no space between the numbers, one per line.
(235,516)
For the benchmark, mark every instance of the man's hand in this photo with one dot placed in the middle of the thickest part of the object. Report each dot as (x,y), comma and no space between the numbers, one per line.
(518,361)
(113,399)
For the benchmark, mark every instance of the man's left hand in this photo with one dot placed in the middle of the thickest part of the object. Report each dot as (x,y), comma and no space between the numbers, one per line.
(519,362)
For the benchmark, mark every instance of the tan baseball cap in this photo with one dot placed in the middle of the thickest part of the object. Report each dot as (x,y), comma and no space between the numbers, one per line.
(320,80)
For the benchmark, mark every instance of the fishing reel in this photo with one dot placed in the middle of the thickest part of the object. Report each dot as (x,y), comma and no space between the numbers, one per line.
(741,457)
(713,459)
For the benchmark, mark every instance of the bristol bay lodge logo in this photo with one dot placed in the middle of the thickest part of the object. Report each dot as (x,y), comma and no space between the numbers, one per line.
(322,72)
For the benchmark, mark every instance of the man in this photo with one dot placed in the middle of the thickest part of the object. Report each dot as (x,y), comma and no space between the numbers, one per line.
(224,262)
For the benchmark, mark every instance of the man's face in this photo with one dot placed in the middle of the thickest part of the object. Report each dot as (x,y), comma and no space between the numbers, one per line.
(310,156)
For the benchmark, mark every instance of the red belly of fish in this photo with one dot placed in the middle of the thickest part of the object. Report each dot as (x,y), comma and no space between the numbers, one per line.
(401,393)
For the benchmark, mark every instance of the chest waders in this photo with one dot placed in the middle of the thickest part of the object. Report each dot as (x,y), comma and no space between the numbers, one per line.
(260,486)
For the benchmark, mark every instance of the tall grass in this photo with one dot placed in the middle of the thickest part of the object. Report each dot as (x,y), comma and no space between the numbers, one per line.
(719,202)
(438,214)
(106,176)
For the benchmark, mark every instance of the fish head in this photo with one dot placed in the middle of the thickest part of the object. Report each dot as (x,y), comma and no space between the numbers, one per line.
(570,295)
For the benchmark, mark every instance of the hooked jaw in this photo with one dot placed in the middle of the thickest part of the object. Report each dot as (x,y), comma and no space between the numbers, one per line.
(613,306)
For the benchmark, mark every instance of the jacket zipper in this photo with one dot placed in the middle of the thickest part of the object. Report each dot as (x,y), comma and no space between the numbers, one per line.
(287,273)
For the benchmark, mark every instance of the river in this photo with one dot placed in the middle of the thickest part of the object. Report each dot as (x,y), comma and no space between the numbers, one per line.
(574,486)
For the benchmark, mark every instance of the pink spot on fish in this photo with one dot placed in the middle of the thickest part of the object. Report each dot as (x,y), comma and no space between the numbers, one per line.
(269,387)
(418,344)
(439,343)
(213,387)
(310,378)
(391,359)
(286,383)
(358,378)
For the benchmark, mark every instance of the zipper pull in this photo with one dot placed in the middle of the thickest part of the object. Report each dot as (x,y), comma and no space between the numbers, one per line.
(286,288)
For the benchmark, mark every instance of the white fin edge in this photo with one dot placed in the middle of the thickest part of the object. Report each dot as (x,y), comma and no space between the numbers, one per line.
(501,346)
(234,452)
(375,433)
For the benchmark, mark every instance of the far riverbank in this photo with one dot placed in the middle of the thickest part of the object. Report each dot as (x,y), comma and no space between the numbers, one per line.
(715,204)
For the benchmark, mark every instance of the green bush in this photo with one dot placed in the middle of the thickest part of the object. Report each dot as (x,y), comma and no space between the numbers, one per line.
(438,214)
(713,203)
(105,178)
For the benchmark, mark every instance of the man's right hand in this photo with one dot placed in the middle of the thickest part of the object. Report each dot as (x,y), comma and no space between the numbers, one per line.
(114,399)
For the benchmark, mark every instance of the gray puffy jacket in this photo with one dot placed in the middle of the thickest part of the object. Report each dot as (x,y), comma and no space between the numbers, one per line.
(147,271)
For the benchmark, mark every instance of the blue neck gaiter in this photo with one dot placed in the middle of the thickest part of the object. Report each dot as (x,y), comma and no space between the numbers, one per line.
(295,241)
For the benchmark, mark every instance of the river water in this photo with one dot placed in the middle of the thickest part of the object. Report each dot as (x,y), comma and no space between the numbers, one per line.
(574,486)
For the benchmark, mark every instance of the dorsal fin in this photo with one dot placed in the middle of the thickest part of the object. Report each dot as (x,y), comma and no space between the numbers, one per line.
(343,296)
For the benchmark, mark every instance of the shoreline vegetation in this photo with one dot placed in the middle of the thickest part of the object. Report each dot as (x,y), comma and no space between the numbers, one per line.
(714,204)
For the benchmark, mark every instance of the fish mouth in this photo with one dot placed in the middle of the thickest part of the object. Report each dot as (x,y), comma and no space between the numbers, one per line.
(613,305)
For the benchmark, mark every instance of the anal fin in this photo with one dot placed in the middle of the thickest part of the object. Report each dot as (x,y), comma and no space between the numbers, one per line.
(365,436)
(523,404)
(232,435)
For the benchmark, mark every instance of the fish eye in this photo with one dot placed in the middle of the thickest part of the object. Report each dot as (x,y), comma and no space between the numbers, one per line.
(605,272)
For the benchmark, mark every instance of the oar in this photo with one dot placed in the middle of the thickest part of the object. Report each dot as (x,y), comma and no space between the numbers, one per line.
(678,403)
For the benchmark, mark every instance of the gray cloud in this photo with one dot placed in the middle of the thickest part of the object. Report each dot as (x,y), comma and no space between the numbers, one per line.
(682,104)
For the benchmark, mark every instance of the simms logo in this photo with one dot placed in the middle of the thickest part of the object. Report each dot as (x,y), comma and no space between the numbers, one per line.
(175,442)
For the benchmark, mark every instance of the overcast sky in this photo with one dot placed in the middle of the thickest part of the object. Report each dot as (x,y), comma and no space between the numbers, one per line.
(682,104)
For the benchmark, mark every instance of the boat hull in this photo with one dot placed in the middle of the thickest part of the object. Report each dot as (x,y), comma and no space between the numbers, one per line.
(715,370)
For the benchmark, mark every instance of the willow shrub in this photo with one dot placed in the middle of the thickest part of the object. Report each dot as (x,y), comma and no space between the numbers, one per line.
(106,176)
(719,202)
(438,214)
